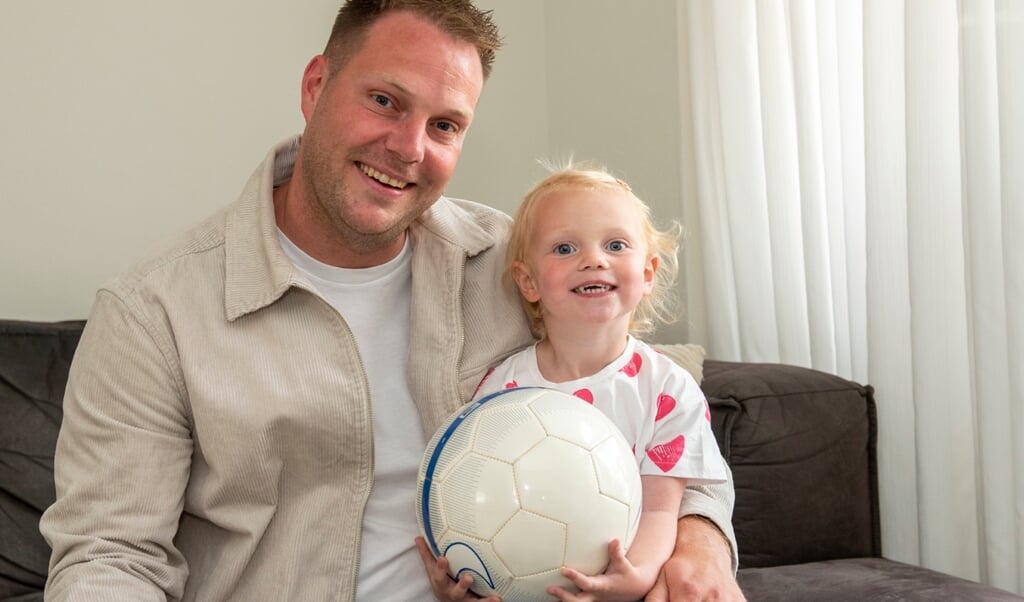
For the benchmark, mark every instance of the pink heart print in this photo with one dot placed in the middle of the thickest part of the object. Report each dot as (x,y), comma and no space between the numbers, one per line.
(482,381)
(586,395)
(666,455)
(511,385)
(633,367)
(666,403)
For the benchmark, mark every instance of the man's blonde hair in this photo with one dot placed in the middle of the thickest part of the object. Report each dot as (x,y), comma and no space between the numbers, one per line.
(664,244)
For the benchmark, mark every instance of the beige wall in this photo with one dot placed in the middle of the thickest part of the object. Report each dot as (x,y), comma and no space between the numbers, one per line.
(122,122)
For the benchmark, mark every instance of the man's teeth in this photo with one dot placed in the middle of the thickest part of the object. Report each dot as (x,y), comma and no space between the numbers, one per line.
(383,178)
(592,288)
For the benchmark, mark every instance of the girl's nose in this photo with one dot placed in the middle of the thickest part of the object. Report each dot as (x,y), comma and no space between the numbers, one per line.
(593,259)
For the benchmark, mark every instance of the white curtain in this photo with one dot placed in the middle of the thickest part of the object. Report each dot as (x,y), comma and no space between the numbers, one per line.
(858,166)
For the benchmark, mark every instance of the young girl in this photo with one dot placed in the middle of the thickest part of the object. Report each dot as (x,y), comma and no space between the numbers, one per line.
(593,271)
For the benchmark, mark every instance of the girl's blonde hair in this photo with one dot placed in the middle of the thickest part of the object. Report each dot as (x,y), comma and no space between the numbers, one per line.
(655,307)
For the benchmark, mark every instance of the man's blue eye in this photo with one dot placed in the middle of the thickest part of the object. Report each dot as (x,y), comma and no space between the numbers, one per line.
(563,249)
(617,245)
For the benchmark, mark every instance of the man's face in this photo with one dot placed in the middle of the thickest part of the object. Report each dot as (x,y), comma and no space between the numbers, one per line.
(383,134)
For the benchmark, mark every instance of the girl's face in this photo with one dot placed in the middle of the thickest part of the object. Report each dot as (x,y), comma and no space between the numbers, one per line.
(588,262)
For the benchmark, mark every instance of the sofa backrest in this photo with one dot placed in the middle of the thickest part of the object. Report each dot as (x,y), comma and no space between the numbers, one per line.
(34,362)
(801,445)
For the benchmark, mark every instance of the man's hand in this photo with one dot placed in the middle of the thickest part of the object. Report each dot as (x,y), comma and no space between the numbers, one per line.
(700,568)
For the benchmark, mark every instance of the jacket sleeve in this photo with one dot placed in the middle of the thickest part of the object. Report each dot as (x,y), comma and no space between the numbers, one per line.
(715,502)
(121,465)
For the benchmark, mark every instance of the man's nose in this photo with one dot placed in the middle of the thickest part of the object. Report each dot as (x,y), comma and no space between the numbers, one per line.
(407,140)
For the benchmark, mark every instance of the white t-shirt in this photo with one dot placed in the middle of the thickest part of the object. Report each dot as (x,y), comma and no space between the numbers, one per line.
(376,303)
(656,403)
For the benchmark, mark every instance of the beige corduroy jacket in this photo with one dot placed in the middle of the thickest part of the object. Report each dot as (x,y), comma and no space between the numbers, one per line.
(217,438)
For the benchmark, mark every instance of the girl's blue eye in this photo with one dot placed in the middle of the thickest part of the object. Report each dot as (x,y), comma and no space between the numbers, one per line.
(617,245)
(563,249)
(381,100)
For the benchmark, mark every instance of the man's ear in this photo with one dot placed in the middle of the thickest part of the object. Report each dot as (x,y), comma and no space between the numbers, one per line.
(314,78)
(524,280)
(650,269)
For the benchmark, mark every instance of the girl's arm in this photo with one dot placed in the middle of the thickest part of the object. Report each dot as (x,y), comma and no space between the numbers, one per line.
(656,536)
(631,575)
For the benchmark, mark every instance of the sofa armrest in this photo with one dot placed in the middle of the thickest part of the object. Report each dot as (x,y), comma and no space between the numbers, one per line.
(801,445)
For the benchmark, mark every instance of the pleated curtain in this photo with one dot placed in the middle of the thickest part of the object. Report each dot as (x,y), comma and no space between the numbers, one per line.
(857,169)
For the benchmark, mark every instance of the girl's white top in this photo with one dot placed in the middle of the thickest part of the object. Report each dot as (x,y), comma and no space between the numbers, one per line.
(656,403)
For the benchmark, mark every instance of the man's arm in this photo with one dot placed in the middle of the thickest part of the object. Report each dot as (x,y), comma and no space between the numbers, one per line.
(714,503)
(120,468)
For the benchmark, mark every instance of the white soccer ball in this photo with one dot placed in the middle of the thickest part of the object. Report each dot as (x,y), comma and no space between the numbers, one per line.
(521,483)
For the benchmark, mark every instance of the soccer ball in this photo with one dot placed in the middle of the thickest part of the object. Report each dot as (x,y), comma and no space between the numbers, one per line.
(523,482)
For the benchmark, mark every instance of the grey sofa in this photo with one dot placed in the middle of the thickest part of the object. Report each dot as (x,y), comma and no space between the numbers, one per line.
(801,445)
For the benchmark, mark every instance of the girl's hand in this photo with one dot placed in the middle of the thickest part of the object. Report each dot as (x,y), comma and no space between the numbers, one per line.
(621,581)
(445,588)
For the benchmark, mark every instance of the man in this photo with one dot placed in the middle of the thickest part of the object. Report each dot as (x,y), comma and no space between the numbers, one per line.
(247,409)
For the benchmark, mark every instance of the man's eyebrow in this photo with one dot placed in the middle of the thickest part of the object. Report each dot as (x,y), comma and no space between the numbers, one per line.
(394,84)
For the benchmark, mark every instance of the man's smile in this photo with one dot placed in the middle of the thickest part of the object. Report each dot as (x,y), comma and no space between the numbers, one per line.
(383,178)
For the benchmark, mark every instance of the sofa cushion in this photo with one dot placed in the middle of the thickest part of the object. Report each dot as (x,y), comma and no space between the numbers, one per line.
(34,362)
(860,579)
(801,445)
(689,355)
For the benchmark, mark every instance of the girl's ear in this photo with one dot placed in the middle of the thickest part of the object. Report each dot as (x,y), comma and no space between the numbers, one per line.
(524,280)
(650,268)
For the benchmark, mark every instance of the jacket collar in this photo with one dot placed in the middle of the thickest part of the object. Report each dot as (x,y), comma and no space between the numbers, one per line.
(258,273)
